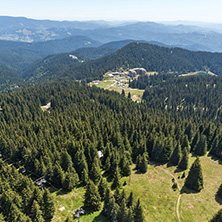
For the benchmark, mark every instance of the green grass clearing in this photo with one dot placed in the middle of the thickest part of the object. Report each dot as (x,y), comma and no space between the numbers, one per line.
(157,197)
(112,84)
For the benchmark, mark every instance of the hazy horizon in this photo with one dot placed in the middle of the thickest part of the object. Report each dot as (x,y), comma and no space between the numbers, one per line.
(122,10)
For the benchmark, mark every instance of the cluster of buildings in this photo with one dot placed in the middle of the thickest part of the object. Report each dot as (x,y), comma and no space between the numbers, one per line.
(131,73)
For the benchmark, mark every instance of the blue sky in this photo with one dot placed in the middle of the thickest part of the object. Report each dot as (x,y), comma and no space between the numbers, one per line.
(142,10)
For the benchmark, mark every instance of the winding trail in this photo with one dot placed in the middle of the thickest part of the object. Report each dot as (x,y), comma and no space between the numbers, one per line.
(179,197)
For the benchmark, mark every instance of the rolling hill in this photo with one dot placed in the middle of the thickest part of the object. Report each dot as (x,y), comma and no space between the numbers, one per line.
(151,57)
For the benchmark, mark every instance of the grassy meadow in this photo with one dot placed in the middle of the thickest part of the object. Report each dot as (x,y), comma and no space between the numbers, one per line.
(157,197)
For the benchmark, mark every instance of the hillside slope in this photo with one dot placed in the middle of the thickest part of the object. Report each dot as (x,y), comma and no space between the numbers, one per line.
(151,57)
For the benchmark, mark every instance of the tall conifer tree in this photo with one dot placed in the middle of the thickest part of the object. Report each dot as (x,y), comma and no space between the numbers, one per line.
(194,179)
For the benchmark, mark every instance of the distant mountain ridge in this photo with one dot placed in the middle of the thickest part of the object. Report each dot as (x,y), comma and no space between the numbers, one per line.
(192,37)
(19,54)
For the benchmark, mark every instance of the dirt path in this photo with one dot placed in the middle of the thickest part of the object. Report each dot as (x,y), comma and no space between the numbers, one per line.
(179,197)
(111,85)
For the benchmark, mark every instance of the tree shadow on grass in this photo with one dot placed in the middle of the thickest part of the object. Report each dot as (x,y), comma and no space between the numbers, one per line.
(215,159)
(218,199)
(187,190)
(155,164)
(178,170)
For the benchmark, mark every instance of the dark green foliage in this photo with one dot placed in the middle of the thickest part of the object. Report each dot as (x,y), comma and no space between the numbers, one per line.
(82,120)
(143,165)
(185,143)
(84,177)
(130,215)
(138,213)
(114,212)
(103,186)
(217,217)
(183,164)
(117,196)
(58,176)
(116,179)
(122,197)
(36,213)
(194,179)
(138,162)
(92,198)
(95,173)
(106,207)
(130,200)
(195,141)
(123,212)
(48,205)
(183,175)
(174,186)
(21,198)
(201,147)
(125,166)
(219,192)
(176,156)
(71,179)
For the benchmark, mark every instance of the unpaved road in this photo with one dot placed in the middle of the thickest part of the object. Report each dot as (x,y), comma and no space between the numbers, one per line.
(179,197)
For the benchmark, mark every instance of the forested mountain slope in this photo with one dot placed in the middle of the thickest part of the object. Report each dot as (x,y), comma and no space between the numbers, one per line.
(61,143)
(151,57)
(19,55)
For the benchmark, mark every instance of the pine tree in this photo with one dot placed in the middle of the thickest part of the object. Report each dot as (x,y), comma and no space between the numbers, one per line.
(125,167)
(92,198)
(107,165)
(58,176)
(185,143)
(176,156)
(143,164)
(71,179)
(195,141)
(106,202)
(184,160)
(201,146)
(130,200)
(95,173)
(103,186)
(130,215)
(194,179)
(117,196)
(114,211)
(122,214)
(122,197)
(217,217)
(49,205)
(36,213)
(84,177)
(66,160)
(138,162)
(189,132)
(138,213)
(116,179)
